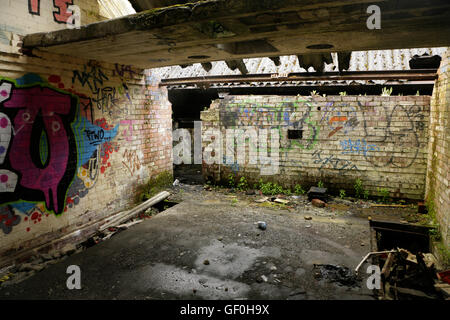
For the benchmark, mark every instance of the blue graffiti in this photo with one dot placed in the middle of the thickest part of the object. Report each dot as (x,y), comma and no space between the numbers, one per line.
(89,136)
(359,147)
(234,166)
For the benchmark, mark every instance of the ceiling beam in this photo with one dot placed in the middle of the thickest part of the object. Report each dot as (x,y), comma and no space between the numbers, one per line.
(229,30)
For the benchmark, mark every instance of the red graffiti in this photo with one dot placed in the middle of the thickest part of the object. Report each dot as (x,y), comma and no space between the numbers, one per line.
(63,14)
(42,112)
(332,133)
(34,7)
(54,79)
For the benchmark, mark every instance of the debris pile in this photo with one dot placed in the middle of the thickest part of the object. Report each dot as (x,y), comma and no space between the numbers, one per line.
(273,199)
(111,231)
(337,274)
(17,273)
(407,276)
(318,193)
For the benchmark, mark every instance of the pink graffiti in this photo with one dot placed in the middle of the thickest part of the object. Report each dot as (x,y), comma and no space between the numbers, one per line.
(128,133)
(62,15)
(44,106)
(34,7)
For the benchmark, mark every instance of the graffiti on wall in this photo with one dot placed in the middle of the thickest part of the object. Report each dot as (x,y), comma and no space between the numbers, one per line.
(34,7)
(333,162)
(405,140)
(51,152)
(385,136)
(111,101)
(297,115)
(131,161)
(359,146)
(337,119)
(61,13)
(37,120)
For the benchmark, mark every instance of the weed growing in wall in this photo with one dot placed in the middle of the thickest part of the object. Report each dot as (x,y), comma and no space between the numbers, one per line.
(359,189)
(230,180)
(272,189)
(154,185)
(385,92)
(298,189)
(384,194)
(366,194)
(243,184)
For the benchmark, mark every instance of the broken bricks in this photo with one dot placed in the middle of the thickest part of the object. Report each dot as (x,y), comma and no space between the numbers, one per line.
(318,203)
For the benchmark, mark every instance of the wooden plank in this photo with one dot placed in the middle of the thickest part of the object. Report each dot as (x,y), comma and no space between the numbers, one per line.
(387,266)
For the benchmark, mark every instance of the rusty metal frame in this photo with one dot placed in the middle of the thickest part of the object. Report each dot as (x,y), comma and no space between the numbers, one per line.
(409,75)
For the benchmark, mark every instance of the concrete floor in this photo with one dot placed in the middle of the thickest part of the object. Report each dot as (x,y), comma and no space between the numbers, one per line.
(164,257)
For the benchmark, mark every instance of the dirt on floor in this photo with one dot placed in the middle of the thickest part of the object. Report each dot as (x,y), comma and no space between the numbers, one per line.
(220,243)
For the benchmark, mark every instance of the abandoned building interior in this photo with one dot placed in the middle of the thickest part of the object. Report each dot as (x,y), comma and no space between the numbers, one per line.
(224,149)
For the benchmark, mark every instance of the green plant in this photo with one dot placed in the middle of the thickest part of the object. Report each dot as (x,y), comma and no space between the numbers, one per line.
(342,193)
(435,233)
(231,182)
(343,93)
(243,184)
(417,93)
(153,186)
(270,188)
(266,188)
(444,253)
(277,189)
(366,194)
(384,194)
(320,184)
(314,93)
(234,202)
(298,189)
(359,189)
(386,91)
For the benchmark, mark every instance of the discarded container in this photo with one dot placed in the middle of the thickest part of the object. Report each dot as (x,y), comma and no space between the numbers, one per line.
(318,193)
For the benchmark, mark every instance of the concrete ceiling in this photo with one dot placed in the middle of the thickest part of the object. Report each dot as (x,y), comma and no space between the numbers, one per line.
(230,30)
(142,5)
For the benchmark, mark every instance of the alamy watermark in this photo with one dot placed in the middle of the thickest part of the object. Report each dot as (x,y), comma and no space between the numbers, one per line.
(374,21)
(374,280)
(244,146)
(74,280)
(74,21)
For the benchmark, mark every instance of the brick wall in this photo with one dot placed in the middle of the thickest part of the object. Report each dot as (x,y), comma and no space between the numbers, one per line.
(438,174)
(76,138)
(381,140)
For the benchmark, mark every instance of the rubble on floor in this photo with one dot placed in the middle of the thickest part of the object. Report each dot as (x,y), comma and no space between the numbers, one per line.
(337,274)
